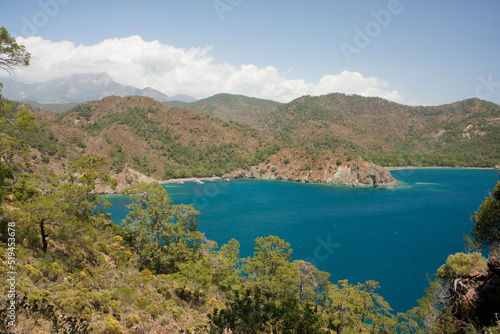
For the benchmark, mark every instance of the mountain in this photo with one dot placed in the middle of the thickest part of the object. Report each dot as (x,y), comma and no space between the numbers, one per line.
(142,139)
(229,107)
(371,122)
(464,133)
(140,133)
(187,136)
(182,98)
(74,89)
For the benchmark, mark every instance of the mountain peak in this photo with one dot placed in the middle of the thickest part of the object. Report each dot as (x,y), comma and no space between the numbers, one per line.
(75,89)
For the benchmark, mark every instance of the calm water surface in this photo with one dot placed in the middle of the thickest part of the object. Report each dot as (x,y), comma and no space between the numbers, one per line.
(393,236)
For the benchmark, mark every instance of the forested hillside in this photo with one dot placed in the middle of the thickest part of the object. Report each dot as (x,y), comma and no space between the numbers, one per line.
(156,141)
(465,133)
(228,107)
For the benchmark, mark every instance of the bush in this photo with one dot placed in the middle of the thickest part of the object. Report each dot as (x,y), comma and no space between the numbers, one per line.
(132,320)
(154,310)
(115,306)
(113,327)
(461,264)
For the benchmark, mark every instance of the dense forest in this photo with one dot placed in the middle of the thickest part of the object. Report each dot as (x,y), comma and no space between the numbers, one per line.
(69,269)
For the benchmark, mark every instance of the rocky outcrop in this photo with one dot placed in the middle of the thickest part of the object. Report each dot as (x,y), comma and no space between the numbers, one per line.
(478,294)
(321,167)
(125,178)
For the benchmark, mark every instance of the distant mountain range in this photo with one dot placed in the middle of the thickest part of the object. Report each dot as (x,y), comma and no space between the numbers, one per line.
(78,88)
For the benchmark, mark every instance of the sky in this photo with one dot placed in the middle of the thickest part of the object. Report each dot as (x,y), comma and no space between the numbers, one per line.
(416,52)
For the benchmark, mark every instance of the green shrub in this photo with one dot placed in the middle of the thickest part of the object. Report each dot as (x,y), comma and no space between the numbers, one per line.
(154,310)
(38,296)
(33,273)
(460,264)
(132,320)
(165,292)
(113,327)
(115,307)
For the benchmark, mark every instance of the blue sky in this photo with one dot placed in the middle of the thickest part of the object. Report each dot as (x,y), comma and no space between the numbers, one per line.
(409,51)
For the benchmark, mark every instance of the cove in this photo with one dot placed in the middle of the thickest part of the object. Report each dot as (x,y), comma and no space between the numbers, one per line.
(393,236)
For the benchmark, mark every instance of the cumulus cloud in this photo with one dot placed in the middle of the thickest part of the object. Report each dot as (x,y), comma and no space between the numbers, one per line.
(133,61)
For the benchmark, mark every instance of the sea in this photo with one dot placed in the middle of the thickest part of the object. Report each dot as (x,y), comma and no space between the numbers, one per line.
(393,236)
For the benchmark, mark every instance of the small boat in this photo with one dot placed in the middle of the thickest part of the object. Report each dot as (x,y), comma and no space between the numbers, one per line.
(226,179)
(211,180)
(180,182)
(199,182)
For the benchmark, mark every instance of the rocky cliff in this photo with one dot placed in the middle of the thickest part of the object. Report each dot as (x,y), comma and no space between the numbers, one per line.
(319,167)
(478,294)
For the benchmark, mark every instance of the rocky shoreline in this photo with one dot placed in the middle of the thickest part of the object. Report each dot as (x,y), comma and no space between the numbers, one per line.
(288,165)
(325,168)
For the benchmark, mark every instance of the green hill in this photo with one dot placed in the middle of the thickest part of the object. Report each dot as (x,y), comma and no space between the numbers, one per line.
(464,133)
(142,134)
(229,107)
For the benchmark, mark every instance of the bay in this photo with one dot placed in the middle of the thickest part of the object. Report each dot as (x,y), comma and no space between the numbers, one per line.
(393,236)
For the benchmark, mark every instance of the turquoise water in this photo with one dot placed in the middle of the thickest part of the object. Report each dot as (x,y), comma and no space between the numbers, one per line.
(393,236)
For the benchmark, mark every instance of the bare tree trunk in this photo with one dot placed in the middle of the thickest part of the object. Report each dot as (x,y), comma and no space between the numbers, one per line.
(44,235)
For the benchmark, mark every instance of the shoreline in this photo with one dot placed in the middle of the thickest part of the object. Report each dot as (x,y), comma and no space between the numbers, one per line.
(192,179)
(189,179)
(441,167)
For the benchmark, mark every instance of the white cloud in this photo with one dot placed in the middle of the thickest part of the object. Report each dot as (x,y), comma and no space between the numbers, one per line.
(133,61)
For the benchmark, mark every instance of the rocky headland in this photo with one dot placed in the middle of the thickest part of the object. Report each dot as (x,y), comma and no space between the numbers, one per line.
(320,167)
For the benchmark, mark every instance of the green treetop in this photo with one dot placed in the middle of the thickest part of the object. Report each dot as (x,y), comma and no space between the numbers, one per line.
(12,55)
(165,234)
(486,231)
